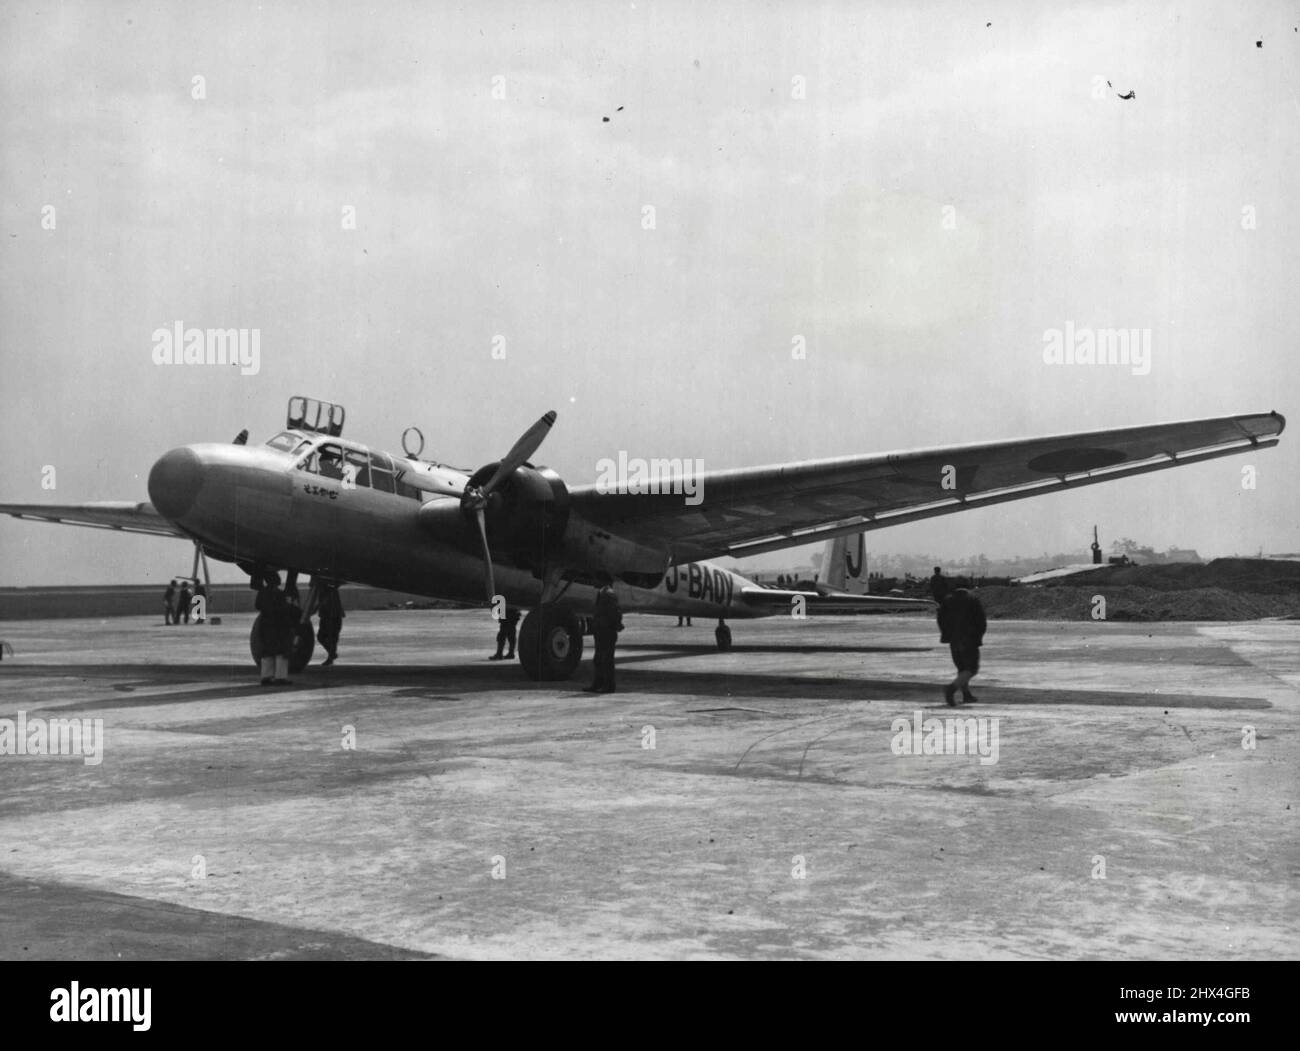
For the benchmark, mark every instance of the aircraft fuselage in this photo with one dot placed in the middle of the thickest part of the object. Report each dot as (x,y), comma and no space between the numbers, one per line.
(255,505)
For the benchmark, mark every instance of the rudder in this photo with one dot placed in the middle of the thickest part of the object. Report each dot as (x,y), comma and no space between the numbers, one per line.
(844,564)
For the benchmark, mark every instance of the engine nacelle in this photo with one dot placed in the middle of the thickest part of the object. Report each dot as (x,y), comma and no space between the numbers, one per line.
(529,525)
(525,517)
(592,552)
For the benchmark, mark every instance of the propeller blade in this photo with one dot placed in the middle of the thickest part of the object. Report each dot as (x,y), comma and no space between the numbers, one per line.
(475,497)
(487,555)
(523,450)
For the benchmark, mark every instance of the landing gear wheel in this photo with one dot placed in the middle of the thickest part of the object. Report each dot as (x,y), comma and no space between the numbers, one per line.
(304,642)
(723,636)
(550,644)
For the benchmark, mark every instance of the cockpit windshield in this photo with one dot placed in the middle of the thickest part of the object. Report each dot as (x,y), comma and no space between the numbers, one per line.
(326,460)
(288,442)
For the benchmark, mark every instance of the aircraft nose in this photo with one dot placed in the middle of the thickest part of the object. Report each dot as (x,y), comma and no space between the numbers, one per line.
(175,481)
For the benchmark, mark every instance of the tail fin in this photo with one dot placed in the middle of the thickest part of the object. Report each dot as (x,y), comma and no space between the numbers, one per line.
(844,565)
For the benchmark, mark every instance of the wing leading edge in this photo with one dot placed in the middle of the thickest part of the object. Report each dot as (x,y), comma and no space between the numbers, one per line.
(756,509)
(122,516)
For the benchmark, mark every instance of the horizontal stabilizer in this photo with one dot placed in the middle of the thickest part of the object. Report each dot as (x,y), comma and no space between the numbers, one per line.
(824,603)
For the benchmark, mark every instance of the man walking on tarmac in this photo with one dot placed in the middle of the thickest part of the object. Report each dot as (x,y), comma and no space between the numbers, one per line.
(962,622)
(608,622)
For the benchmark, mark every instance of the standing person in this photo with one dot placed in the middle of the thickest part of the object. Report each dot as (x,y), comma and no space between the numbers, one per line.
(275,630)
(961,618)
(507,632)
(183,603)
(169,602)
(331,622)
(200,614)
(608,622)
(683,618)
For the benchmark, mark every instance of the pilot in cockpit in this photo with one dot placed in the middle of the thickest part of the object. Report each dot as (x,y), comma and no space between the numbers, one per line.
(331,462)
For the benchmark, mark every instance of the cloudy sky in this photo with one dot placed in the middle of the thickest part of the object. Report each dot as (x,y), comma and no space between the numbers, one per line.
(916,193)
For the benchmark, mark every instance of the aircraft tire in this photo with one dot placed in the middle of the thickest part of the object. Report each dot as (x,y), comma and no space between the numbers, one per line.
(550,644)
(304,643)
(722,635)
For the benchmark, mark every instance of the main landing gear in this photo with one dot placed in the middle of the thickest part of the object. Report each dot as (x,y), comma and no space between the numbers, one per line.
(550,643)
(304,635)
(304,643)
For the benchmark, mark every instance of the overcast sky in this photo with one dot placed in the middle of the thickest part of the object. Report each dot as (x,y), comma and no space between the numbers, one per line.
(917,194)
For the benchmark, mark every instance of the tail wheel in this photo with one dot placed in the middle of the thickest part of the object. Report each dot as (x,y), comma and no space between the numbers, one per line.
(722,634)
(304,642)
(550,644)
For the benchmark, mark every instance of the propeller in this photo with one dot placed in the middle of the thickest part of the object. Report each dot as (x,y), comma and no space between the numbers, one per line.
(475,497)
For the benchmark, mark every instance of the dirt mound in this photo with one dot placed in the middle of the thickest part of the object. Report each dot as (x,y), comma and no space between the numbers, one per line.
(1064,602)
(1256,576)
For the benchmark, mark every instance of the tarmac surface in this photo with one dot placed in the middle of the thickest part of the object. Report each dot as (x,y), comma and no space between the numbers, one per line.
(741,805)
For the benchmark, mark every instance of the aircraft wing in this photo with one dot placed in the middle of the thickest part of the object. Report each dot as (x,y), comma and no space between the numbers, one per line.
(816,602)
(756,509)
(120,515)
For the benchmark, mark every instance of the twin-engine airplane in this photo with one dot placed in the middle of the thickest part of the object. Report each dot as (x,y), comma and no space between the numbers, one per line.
(310,501)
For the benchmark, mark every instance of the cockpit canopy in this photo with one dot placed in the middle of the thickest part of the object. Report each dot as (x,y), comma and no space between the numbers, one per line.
(355,465)
(314,445)
(288,442)
(319,417)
